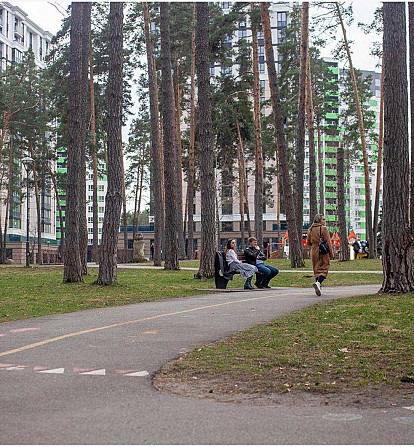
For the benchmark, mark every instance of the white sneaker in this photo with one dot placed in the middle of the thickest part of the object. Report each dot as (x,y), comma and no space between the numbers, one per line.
(317,288)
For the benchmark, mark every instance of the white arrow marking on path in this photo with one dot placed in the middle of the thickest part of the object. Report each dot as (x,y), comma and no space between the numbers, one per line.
(53,371)
(138,374)
(97,372)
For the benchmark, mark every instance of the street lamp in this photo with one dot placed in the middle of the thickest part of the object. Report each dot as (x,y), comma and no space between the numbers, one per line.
(27,163)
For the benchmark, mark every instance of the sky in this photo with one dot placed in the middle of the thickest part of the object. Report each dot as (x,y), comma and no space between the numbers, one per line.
(46,15)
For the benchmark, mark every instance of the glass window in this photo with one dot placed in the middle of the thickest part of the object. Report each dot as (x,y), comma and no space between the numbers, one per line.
(282,19)
(226,226)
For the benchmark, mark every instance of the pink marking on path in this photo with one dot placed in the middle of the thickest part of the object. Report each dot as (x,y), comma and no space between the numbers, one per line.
(25,329)
(40,368)
(2,335)
(6,365)
(79,370)
(124,371)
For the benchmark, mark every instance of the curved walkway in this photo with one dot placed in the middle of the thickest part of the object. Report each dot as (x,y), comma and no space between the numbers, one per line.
(85,378)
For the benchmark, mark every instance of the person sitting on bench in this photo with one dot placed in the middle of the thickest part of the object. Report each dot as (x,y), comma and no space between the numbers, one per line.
(246,270)
(254,256)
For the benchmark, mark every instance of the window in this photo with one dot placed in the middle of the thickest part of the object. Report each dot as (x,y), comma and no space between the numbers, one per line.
(226,226)
(281,34)
(225,5)
(101,210)
(90,209)
(30,40)
(242,33)
(261,50)
(377,82)
(101,187)
(262,85)
(101,198)
(40,48)
(90,187)
(100,219)
(90,198)
(261,67)
(226,70)
(17,56)
(90,220)
(281,19)
(212,71)
(90,230)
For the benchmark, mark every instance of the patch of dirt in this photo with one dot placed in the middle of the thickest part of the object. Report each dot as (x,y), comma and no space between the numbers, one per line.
(224,389)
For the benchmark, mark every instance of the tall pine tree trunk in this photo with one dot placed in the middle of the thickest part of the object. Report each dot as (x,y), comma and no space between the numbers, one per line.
(313,206)
(379,165)
(411,40)
(83,222)
(320,171)
(113,201)
(207,184)
(368,208)
(258,152)
(60,211)
(241,184)
(156,147)
(343,237)
(8,198)
(73,265)
(191,155)
(124,206)
(295,249)
(300,130)
(172,225)
(95,209)
(398,240)
(38,212)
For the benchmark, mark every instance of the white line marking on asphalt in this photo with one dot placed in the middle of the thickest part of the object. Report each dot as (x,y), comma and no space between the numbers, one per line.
(341,417)
(409,408)
(53,371)
(404,420)
(16,368)
(97,372)
(138,374)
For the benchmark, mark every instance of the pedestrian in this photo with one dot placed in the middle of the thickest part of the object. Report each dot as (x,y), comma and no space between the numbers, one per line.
(152,250)
(356,248)
(320,262)
(254,256)
(246,270)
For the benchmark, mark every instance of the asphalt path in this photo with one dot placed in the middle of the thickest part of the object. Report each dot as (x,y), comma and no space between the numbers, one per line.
(85,378)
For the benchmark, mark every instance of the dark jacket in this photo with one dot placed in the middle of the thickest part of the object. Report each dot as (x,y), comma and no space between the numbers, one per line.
(251,254)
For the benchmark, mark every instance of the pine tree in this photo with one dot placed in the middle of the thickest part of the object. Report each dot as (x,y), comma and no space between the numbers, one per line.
(294,241)
(170,166)
(113,202)
(398,239)
(207,180)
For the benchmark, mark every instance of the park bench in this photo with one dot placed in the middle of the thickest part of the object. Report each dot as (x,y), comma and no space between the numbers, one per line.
(222,272)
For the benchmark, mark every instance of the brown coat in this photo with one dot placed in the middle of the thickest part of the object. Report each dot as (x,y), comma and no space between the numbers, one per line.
(320,263)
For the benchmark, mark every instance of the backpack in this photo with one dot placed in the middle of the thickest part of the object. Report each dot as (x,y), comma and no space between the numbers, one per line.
(323,245)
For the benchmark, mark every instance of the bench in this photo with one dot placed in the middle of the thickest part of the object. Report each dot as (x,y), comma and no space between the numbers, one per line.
(222,272)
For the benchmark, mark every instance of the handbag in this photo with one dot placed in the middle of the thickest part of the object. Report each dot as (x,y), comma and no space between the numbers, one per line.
(323,245)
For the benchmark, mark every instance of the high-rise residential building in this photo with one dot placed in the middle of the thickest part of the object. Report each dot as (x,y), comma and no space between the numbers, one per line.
(18,34)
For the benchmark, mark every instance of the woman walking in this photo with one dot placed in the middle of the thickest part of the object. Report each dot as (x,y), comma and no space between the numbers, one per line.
(319,233)
(246,270)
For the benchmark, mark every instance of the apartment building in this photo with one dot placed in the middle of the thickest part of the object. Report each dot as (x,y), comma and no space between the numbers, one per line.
(18,34)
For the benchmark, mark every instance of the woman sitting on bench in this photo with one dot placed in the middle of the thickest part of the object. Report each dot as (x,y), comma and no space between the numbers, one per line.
(246,270)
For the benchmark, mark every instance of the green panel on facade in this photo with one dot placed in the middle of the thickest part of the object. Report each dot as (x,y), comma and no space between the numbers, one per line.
(373,102)
(330,183)
(330,172)
(333,116)
(61,170)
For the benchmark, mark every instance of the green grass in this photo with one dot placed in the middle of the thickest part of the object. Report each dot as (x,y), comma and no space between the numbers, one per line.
(284,264)
(358,342)
(25,293)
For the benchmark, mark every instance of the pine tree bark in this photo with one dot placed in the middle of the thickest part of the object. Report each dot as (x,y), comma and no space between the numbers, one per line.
(300,130)
(156,148)
(94,157)
(72,261)
(113,201)
(38,211)
(179,162)
(124,206)
(379,166)
(9,186)
(398,240)
(60,211)
(241,183)
(207,184)
(411,54)
(368,207)
(83,222)
(313,208)
(170,159)
(320,171)
(295,250)
(258,186)
(343,236)
(191,155)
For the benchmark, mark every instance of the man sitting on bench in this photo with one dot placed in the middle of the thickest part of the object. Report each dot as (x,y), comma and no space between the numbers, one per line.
(254,256)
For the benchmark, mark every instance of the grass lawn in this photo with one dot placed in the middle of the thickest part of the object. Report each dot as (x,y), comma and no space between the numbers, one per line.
(284,264)
(364,342)
(26,293)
